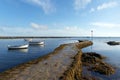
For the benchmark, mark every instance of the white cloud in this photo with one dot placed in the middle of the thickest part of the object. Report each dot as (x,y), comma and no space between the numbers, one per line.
(107,5)
(46,5)
(105,29)
(92,10)
(38,26)
(80,4)
(105,25)
(15,31)
(29,31)
(99,28)
(104,6)
(72,28)
(76,31)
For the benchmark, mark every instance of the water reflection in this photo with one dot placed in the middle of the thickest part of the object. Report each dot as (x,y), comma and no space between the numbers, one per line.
(18,51)
(111,52)
(91,48)
(23,50)
(43,45)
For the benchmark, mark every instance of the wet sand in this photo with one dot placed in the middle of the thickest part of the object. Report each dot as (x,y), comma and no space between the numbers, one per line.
(49,67)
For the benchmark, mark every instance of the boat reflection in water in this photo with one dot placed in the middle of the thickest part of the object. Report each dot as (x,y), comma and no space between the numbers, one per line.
(23,50)
(42,45)
(17,51)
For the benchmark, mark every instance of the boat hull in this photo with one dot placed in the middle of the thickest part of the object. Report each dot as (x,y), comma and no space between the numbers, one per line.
(28,39)
(17,47)
(36,43)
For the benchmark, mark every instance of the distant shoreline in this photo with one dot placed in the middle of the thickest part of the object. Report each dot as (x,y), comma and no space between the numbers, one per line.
(19,37)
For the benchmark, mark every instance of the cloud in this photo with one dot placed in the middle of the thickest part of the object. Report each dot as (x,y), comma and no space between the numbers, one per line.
(105,25)
(107,5)
(36,30)
(72,28)
(92,10)
(76,31)
(46,5)
(105,29)
(104,6)
(38,26)
(81,4)
(15,31)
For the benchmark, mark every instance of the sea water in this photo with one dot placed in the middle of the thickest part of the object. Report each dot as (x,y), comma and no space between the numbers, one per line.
(11,58)
(112,54)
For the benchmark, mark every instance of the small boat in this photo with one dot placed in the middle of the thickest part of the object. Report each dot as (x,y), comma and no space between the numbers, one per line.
(27,39)
(18,47)
(36,43)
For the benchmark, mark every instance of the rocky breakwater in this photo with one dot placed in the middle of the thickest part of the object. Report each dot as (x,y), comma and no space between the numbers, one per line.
(74,71)
(63,63)
(94,62)
(86,63)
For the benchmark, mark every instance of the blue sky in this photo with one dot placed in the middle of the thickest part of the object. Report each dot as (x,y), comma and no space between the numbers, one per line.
(59,17)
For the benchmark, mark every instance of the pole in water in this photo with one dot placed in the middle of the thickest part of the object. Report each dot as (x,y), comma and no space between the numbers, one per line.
(92,35)
(91,38)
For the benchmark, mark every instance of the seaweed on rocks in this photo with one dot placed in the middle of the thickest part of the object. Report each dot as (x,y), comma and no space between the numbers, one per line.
(95,63)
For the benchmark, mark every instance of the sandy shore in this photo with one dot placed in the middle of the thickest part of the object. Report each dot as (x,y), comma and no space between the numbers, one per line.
(50,67)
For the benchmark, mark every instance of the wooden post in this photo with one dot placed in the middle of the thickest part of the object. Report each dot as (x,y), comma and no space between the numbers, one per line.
(92,35)
(91,38)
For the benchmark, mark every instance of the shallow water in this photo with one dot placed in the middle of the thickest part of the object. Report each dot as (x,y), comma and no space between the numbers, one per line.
(11,58)
(111,52)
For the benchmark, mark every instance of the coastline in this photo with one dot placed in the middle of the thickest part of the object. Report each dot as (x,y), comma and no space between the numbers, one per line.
(63,63)
(22,37)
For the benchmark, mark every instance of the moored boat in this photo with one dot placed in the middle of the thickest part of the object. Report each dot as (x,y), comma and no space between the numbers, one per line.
(27,39)
(36,42)
(25,46)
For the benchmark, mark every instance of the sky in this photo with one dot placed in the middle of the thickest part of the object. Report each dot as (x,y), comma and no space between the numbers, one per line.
(60,18)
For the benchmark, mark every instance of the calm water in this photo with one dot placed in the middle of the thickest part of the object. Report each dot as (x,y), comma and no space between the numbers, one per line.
(10,58)
(111,52)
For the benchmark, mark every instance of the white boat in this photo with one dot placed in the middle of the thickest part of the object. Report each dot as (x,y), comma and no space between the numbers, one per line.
(27,39)
(36,42)
(18,47)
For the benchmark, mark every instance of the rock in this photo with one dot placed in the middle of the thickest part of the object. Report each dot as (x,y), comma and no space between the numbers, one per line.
(94,62)
(91,57)
(103,69)
(113,43)
(82,40)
